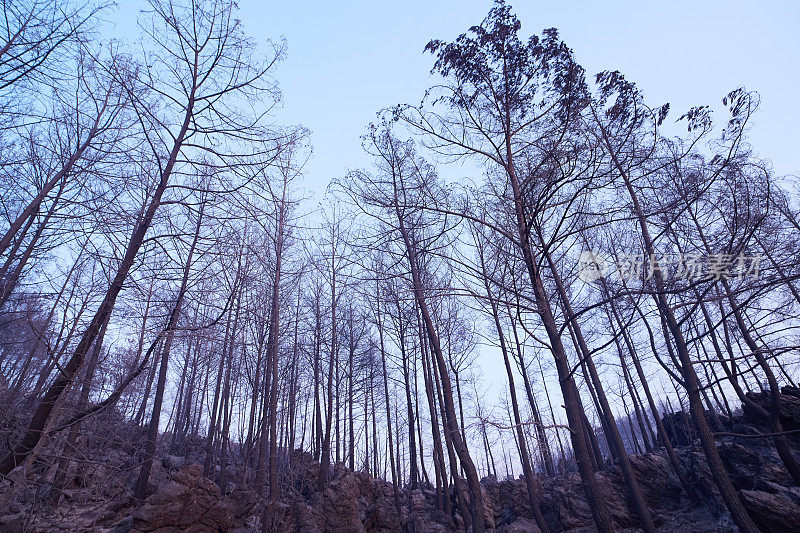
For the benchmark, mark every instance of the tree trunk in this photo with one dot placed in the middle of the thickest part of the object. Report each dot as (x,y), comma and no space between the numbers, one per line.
(152,434)
(690,380)
(35,430)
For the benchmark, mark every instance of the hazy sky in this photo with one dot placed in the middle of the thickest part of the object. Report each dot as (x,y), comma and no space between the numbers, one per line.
(347,60)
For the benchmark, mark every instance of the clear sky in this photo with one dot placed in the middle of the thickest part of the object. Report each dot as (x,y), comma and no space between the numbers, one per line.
(347,60)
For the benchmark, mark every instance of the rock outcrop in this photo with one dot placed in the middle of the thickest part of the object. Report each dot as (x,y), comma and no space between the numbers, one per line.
(99,498)
(190,502)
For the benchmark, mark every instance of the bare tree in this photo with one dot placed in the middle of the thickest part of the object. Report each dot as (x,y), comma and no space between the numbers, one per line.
(206,44)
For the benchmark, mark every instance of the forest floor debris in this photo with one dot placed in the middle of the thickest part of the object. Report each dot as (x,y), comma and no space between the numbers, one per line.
(99,497)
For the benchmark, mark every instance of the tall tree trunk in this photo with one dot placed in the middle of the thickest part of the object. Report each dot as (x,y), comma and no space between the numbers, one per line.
(544,446)
(72,437)
(440,470)
(326,440)
(612,431)
(412,447)
(690,380)
(272,352)
(447,391)
(152,434)
(35,430)
(531,481)
(395,477)
(351,352)
(209,468)
(569,390)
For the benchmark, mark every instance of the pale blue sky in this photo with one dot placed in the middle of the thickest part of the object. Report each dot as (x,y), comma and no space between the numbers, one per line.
(347,60)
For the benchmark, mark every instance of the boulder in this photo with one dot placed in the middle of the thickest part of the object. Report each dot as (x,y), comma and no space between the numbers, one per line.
(173,462)
(520,525)
(564,499)
(679,426)
(190,502)
(789,412)
(772,512)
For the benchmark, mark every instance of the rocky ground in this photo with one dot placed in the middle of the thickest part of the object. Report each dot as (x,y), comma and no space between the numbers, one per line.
(98,496)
